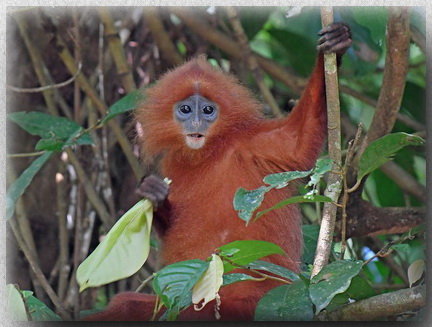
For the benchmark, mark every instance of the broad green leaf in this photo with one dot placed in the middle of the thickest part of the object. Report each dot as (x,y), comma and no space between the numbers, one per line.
(236,277)
(286,302)
(18,187)
(359,289)
(241,253)
(383,149)
(333,279)
(122,252)
(295,199)
(174,283)
(39,311)
(246,202)
(53,130)
(129,102)
(207,287)
(273,268)
(15,304)
(415,271)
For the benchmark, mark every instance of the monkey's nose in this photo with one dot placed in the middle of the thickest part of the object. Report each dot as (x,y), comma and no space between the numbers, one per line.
(196,123)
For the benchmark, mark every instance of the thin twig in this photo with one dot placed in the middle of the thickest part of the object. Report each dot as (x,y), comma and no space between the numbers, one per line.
(144,283)
(25,155)
(46,87)
(351,149)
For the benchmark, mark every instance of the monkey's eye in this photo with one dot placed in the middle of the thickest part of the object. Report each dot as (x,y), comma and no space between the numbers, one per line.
(185,109)
(208,110)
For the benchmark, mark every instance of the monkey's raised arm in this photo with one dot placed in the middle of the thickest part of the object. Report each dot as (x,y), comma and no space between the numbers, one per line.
(305,127)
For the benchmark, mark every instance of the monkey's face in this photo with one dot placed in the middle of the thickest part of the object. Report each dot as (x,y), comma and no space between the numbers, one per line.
(195,115)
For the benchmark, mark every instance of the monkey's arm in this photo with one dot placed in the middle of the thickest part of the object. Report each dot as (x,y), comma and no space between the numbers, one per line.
(305,127)
(156,190)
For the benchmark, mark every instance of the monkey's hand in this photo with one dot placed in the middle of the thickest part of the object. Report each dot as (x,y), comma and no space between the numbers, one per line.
(154,189)
(335,38)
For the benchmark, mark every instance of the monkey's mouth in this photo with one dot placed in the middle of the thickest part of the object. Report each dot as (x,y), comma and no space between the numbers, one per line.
(195,140)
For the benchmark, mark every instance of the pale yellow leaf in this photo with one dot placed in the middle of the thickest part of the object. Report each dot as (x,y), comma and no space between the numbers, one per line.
(207,287)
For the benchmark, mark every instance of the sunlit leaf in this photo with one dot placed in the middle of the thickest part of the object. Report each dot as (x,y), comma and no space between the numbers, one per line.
(246,251)
(209,283)
(15,304)
(122,252)
(286,302)
(18,187)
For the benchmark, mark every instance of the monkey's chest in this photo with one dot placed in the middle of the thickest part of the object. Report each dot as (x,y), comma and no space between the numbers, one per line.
(203,215)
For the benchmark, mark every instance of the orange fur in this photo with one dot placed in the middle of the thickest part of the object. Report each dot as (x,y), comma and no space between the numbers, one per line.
(241,148)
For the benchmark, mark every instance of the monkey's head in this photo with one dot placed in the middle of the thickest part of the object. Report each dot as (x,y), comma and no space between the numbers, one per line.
(193,109)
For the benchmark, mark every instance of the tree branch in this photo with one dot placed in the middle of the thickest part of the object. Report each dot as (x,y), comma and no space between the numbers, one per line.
(334,182)
(365,220)
(380,306)
(394,78)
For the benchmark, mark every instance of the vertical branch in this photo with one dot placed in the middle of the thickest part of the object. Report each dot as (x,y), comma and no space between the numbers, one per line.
(116,49)
(334,183)
(394,78)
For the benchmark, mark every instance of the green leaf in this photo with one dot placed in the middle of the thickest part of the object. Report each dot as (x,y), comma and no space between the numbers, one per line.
(39,311)
(333,279)
(236,277)
(286,302)
(295,199)
(310,240)
(15,304)
(273,268)
(53,130)
(18,187)
(241,253)
(122,252)
(129,102)
(246,202)
(173,283)
(280,180)
(322,166)
(383,149)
